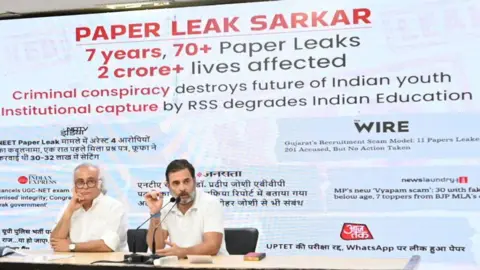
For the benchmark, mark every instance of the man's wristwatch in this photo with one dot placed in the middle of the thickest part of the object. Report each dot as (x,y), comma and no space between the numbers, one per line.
(71,247)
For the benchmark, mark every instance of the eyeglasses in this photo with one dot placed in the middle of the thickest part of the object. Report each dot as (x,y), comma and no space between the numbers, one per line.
(90,183)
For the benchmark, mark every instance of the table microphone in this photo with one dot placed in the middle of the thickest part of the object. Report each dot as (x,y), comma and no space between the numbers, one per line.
(154,248)
(134,257)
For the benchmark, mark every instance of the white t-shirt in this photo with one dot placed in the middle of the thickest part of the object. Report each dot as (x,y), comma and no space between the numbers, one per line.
(106,220)
(205,215)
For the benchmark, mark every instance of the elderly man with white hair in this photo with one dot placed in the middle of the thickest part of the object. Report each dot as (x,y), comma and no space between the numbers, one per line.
(91,221)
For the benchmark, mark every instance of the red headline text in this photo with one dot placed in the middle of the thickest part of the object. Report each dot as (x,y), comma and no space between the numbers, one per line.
(258,23)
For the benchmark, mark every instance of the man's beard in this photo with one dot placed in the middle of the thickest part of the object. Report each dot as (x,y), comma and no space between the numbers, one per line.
(191,197)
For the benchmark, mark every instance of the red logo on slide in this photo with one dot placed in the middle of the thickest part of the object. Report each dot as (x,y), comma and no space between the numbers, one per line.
(463,179)
(22,180)
(354,231)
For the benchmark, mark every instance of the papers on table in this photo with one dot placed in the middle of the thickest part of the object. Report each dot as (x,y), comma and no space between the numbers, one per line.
(46,257)
(200,259)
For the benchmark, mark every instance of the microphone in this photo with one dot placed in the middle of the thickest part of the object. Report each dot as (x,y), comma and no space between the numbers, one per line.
(134,257)
(172,199)
(154,249)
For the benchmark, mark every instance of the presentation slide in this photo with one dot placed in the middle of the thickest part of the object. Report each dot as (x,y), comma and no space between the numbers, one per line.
(337,128)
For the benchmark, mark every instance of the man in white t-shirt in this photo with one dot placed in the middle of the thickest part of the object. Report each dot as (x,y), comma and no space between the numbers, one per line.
(91,221)
(194,226)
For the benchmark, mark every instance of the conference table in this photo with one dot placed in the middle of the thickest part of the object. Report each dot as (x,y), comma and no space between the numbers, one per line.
(39,260)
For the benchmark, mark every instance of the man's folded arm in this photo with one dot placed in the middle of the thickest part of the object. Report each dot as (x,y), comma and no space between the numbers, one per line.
(93,246)
(62,228)
(115,231)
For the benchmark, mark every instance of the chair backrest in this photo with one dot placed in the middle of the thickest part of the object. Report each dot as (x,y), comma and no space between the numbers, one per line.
(240,241)
(140,240)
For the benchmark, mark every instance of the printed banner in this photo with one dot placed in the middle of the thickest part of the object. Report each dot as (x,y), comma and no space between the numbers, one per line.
(342,129)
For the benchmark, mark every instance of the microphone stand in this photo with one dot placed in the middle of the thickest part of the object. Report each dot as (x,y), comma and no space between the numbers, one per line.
(138,258)
(154,256)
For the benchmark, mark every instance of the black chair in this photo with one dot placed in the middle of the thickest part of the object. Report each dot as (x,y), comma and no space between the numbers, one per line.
(240,241)
(140,241)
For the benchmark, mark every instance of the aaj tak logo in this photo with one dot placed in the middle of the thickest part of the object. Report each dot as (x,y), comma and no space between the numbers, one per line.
(35,179)
(355,231)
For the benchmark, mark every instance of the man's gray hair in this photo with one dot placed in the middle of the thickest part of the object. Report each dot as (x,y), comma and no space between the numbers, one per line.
(101,178)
